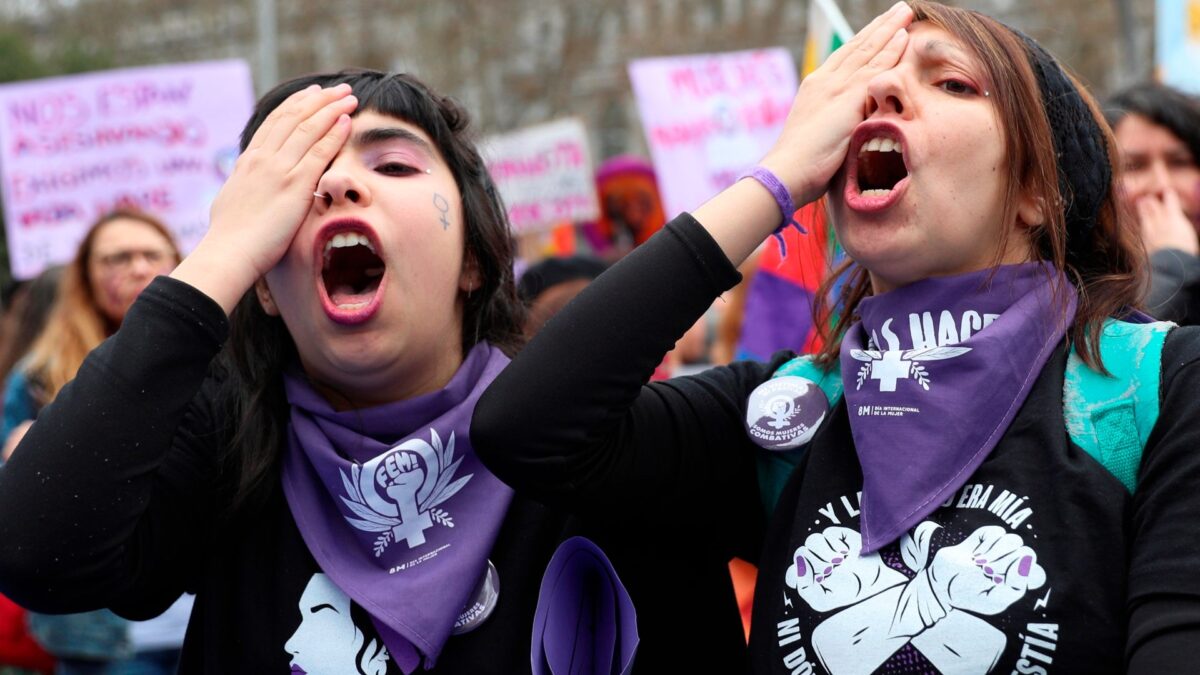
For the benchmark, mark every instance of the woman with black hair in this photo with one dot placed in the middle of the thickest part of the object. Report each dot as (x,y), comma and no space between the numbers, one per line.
(281,426)
(1158,132)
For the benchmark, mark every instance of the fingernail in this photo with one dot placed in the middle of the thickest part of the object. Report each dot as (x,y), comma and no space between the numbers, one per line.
(826,571)
(988,570)
(837,561)
(997,580)
(898,5)
(313,87)
(1025,565)
(801,568)
(342,87)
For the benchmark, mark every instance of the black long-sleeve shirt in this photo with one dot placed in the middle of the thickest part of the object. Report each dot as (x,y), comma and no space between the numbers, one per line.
(572,421)
(114,499)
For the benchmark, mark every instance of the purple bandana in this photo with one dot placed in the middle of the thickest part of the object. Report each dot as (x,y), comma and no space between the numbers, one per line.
(934,373)
(395,506)
(585,621)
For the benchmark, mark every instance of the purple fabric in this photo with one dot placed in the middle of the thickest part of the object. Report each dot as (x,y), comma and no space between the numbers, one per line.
(585,623)
(934,373)
(783,198)
(395,506)
(778,316)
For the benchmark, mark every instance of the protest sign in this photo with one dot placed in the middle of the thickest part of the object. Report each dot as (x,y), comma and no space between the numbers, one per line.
(162,139)
(544,174)
(708,118)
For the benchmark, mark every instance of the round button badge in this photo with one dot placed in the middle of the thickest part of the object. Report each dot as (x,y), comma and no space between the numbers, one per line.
(785,412)
(482,603)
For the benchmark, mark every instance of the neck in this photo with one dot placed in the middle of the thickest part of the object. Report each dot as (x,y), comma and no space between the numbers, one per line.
(389,386)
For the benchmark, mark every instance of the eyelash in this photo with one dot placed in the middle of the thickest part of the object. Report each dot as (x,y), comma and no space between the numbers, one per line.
(396,169)
(968,90)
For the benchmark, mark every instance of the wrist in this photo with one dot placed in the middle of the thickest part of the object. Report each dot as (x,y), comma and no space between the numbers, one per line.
(919,608)
(794,178)
(212,270)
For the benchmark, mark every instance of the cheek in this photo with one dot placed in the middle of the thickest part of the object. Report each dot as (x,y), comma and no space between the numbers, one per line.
(1187,185)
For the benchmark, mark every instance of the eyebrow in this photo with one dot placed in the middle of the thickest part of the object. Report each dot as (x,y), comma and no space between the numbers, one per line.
(380,135)
(941,49)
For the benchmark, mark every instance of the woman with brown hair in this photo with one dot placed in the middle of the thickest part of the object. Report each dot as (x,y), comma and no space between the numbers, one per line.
(953,513)
(119,256)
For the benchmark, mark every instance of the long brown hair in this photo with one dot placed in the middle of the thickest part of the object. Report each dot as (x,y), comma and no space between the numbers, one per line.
(76,325)
(1106,271)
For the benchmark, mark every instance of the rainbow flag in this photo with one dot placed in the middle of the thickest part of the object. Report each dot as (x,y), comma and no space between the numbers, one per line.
(778,309)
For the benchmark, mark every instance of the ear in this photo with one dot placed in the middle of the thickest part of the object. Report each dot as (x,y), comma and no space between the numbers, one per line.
(471,278)
(264,297)
(1031,211)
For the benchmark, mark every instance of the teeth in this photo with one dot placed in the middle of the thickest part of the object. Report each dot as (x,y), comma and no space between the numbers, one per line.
(881,144)
(876,193)
(347,239)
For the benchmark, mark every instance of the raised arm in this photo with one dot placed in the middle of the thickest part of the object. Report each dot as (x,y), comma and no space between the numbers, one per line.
(108,497)
(109,488)
(572,421)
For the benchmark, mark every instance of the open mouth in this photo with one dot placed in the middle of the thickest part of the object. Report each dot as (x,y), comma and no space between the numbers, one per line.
(880,166)
(352,274)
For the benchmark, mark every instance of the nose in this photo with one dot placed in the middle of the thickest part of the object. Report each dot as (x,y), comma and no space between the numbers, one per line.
(1159,178)
(141,266)
(887,93)
(340,187)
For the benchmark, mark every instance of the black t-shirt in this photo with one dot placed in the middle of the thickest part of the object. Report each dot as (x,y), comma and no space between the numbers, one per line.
(114,499)
(1020,570)
(1104,581)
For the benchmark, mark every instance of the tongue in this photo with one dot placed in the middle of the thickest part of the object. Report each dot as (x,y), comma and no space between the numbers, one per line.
(344,295)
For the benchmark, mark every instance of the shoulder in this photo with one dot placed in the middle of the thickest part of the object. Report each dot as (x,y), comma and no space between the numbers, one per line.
(1181,354)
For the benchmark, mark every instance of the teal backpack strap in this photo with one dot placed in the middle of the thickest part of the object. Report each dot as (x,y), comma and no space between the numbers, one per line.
(774,467)
(1110,416)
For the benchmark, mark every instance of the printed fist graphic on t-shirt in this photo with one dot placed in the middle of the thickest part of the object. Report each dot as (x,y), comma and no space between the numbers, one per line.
(828,572)
(986,573)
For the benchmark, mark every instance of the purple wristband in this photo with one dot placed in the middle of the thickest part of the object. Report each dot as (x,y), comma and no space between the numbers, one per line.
(782,197)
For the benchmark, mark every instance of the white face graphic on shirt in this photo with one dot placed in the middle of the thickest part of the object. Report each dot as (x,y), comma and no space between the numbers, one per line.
(327,642)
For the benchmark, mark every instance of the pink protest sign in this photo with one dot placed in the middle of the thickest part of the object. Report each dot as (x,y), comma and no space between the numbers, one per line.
(544,173)
(161,139)
(708,118)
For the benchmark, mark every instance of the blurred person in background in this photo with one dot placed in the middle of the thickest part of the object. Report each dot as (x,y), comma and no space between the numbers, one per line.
(1158,133)
(26,315)
(550,284)
(118,257)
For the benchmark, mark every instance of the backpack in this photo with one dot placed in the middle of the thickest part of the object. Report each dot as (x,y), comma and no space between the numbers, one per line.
(1109,416)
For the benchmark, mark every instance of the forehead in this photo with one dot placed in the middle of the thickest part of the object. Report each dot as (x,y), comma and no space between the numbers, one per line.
(371,129)
(1136,133)
(123,233)
(932,43)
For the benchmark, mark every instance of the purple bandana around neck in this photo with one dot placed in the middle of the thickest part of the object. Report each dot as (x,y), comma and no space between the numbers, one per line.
(934,373)
(395,506)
